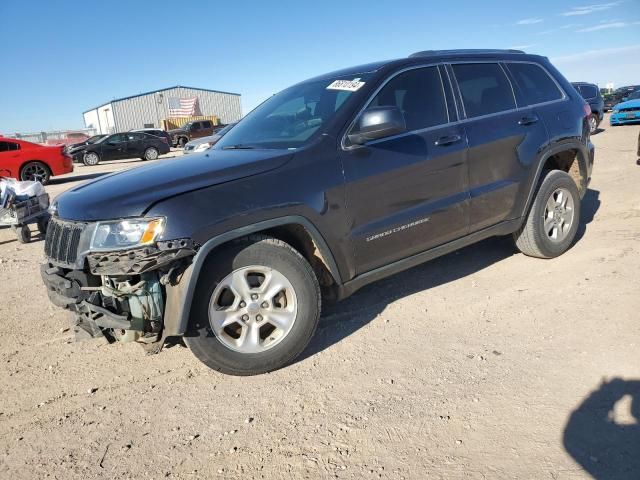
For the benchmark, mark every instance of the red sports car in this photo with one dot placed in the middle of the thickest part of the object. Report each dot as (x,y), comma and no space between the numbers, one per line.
(29,161)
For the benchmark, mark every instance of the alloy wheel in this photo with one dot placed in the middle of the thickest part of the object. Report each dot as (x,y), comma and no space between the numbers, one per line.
(35,172)
(559,215)
(253,309)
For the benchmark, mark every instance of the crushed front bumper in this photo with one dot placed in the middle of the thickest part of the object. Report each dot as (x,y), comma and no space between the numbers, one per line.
(120,294)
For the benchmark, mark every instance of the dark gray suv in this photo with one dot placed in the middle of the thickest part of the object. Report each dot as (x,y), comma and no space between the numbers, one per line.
(327,186)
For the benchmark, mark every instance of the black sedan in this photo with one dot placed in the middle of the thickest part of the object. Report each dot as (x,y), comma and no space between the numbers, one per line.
(122,145)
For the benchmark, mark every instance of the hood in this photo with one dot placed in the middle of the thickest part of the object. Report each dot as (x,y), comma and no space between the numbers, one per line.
(132,192)
(198,141)
(176,130)
(635,103)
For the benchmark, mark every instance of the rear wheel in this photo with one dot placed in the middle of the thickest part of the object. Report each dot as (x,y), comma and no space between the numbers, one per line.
(554,217)
(182,142)
(256,308)
(36,171)
(150,153)
(90,159)
(593,122)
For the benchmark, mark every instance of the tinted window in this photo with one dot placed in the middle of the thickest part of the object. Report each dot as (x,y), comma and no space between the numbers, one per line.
(484,88)
(9,146)
(137,136)
(588,91)
(419,96)
(536,84)
(206,124)
(118,138)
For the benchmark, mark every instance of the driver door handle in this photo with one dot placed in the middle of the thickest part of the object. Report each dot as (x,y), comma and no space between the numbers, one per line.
(447,140)
(528,120)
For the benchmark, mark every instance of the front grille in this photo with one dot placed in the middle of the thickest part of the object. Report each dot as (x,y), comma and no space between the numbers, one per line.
(630,110)
(62,240)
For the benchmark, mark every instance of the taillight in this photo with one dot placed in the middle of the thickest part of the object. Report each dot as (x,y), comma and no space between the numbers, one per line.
(164,140)
(587,109)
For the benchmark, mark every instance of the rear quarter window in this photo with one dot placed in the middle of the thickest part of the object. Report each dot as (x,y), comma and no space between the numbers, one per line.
(535,83)
(9,146)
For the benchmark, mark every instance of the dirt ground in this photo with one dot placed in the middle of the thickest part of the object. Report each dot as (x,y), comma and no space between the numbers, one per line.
(481,364)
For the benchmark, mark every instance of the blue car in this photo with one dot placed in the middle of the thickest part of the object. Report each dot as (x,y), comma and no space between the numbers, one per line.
(627,111)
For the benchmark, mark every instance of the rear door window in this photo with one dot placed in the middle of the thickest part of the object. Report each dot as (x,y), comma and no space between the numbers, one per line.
(419,95)
(535,83)
(484,87)
(206,124)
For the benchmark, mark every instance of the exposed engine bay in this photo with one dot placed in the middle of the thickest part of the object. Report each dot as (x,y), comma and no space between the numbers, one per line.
(119,294)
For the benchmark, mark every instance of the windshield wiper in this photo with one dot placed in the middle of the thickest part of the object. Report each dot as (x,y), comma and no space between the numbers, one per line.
(238,147)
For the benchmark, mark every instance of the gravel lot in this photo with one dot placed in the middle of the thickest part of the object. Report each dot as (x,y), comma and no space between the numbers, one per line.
(481,364)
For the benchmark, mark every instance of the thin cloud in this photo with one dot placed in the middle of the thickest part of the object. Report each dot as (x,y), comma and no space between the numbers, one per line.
(605,26)
(588,9)
(598,53)
(529,21)
(522,47)
(563,27)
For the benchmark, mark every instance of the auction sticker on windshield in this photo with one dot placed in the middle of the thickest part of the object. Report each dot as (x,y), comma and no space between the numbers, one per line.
(347,85)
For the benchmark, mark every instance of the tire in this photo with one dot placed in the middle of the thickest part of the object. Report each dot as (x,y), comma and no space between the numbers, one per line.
(222,352)
(91,159)
(182,142)
(24,234)
(150,153)
(593,123)
(535,236)
(37,171)
(43,223)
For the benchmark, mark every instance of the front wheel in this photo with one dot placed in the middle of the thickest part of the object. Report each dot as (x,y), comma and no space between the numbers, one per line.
(90,159)
(36,171)
(593,123)
(256,307)
(553,220)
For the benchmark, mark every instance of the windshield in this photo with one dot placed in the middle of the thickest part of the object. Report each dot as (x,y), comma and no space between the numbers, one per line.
(186,126)
(291,117)
(95,138)
(634,96)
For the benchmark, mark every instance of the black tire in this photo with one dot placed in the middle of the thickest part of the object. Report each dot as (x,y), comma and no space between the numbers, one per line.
(24,234)
(151,153)
(43,223)
(593,123)
(91,159)
(35,170)
(182,142)
(262,251)
(532,239)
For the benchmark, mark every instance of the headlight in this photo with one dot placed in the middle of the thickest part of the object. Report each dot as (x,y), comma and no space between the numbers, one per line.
(132,232)
(202,147)
(616,111)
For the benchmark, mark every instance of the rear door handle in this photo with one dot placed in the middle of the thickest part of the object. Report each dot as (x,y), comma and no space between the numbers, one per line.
(448,140)
(528,120)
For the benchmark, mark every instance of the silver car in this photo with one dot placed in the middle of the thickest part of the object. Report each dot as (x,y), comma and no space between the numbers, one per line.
(205,143)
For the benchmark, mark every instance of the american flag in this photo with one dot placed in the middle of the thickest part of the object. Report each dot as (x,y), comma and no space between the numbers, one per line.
(183,107)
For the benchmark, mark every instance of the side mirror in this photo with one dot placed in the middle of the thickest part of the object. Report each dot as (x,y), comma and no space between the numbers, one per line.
(377,122)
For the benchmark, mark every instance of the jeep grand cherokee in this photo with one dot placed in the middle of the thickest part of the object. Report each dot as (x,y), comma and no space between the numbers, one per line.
(327,186)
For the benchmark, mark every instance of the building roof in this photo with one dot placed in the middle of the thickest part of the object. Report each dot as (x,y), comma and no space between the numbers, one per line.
(160,90)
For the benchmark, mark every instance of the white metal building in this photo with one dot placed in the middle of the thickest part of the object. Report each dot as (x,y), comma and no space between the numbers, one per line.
(147,110)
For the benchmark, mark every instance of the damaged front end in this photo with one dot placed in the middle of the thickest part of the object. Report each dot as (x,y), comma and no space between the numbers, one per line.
(118,293)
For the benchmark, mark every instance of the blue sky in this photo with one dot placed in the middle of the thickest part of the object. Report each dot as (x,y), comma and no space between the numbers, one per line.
(62,58)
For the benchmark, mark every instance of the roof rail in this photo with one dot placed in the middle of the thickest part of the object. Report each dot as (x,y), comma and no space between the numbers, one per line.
(428,53)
